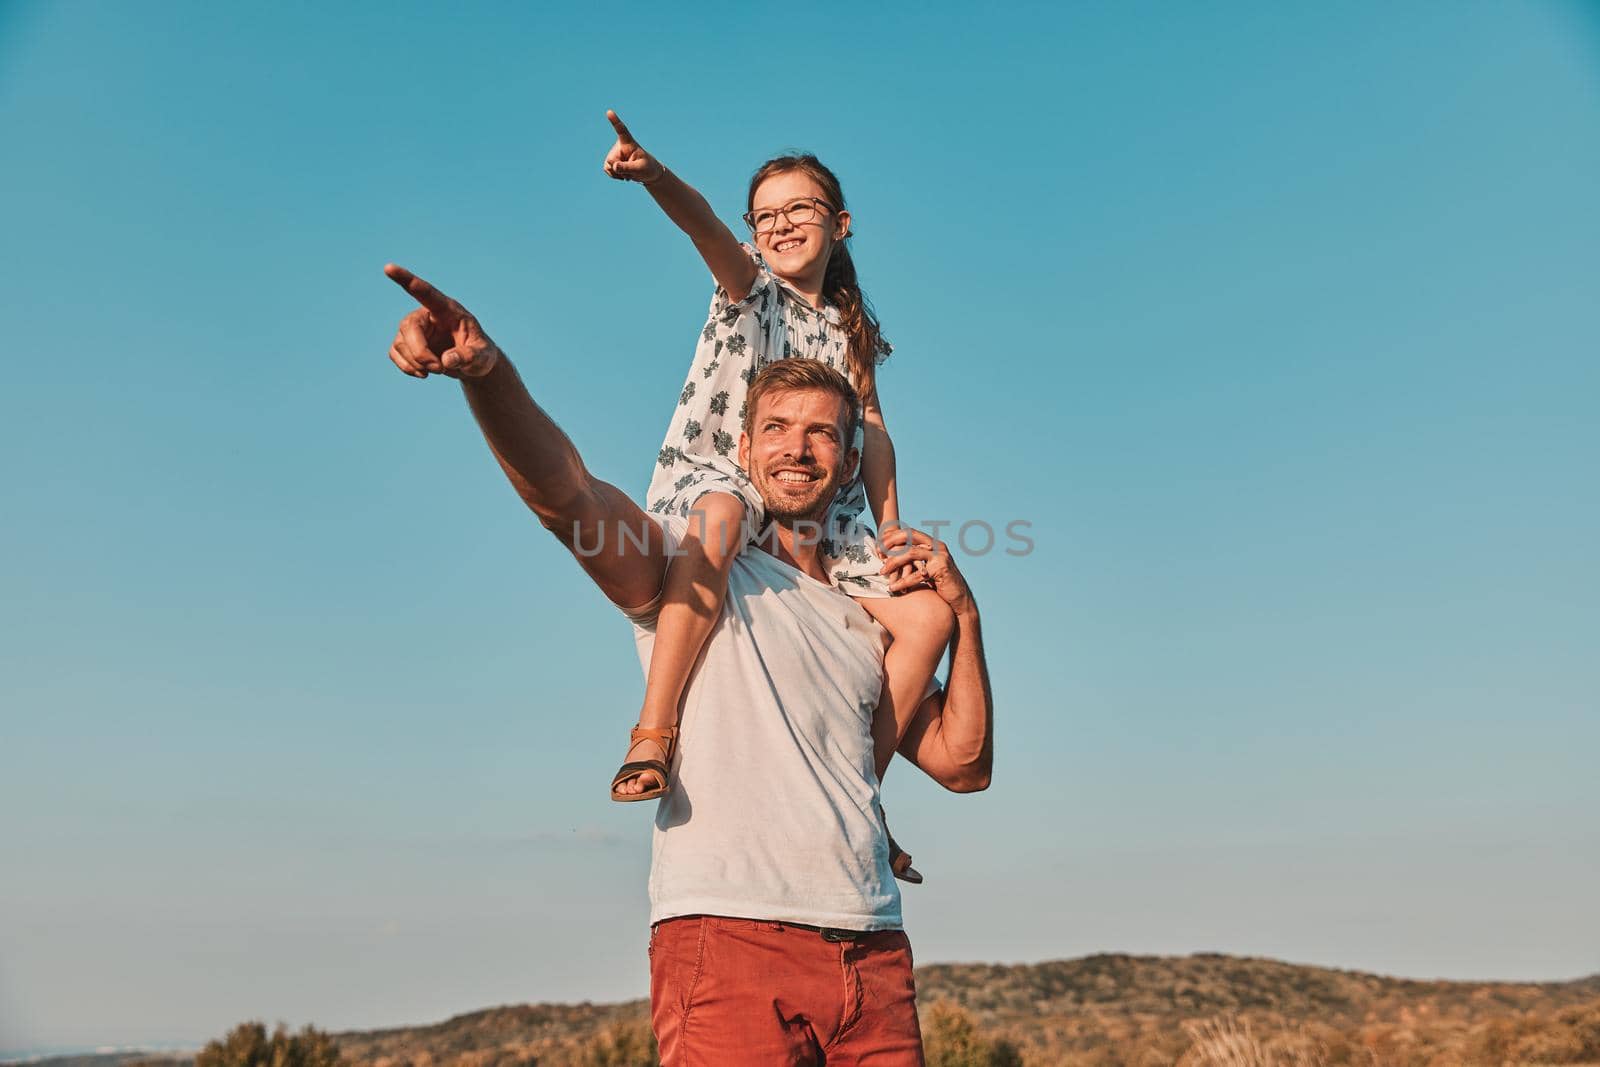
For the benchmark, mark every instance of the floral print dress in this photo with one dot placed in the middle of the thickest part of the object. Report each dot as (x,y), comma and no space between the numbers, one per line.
(701,452)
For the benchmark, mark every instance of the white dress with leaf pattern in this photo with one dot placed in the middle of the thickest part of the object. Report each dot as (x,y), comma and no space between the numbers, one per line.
(701,451)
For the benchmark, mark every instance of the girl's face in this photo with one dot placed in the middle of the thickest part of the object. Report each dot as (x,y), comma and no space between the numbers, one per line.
(796,250)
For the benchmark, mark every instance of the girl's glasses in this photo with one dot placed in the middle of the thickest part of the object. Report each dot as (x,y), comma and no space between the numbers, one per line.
(798,212)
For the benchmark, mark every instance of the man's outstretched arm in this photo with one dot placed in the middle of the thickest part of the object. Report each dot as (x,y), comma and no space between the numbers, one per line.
(611,537)
(951,736)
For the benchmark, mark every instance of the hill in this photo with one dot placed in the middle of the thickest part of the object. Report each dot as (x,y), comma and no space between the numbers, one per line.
(1105,1010)
(1119,1009)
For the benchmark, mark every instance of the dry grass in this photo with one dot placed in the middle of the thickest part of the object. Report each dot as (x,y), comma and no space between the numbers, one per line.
(1227,1041)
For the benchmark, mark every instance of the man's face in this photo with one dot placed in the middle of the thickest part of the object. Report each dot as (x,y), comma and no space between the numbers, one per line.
(798,455)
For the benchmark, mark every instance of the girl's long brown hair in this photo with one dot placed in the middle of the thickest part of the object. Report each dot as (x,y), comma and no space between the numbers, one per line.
(839,285)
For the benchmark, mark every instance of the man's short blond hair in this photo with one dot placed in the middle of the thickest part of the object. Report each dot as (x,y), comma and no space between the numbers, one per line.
(790,375)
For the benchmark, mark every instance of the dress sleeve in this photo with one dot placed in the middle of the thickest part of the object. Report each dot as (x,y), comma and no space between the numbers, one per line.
(727,311)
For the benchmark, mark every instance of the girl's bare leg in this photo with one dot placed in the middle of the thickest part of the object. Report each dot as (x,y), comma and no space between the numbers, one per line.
(691,602)
(920,623)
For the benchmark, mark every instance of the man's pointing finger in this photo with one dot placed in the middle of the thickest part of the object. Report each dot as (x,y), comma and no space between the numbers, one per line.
(422,292)
(622,131)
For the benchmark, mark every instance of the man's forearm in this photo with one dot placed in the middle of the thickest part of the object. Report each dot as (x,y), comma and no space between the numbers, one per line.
(539,459)
(967,723)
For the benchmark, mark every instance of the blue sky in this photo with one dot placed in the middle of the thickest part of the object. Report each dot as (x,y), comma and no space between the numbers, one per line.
(1277,323)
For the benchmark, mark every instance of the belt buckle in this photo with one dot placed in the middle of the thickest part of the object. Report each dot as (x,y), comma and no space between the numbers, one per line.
(834,934)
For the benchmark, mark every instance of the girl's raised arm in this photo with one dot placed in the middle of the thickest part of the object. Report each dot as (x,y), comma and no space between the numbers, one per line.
(729,263)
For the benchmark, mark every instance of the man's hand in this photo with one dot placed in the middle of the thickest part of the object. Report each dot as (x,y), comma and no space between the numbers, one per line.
(921,560)
(626,161)
(441,336)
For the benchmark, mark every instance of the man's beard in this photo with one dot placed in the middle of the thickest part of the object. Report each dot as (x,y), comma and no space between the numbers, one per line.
(788,511)
(788,516)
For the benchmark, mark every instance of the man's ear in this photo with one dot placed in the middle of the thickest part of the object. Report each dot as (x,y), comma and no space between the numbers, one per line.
(744,452)
(851,459)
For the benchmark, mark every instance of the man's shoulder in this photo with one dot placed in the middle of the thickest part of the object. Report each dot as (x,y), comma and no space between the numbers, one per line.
(771,569)
(824,604)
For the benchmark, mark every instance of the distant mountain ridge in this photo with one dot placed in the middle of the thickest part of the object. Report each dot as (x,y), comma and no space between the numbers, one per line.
(1116,1008)
(1210,983)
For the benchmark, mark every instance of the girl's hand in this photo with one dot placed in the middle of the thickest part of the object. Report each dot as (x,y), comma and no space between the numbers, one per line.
(923,560)
(626,161)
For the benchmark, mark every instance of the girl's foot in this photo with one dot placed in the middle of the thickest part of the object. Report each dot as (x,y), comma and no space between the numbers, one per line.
(899,858)
(900,863)
(643,775)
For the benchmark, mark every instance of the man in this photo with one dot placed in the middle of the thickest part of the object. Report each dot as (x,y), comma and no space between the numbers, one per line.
(775,933)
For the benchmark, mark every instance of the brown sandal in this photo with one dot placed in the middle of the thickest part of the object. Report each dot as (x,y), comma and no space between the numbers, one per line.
(668,740)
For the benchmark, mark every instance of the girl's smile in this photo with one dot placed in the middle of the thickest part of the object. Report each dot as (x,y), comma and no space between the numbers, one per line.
(797,252)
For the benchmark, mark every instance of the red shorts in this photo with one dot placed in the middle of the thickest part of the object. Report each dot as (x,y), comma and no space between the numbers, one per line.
(749,993)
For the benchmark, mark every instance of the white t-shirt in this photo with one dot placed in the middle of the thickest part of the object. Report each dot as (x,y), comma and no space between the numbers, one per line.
(773,811)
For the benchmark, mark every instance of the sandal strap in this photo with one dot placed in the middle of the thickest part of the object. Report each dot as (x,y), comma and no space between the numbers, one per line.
(899,858)
(667,738)
(628,770)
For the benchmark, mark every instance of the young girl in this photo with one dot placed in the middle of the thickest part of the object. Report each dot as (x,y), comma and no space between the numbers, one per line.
(792,294)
